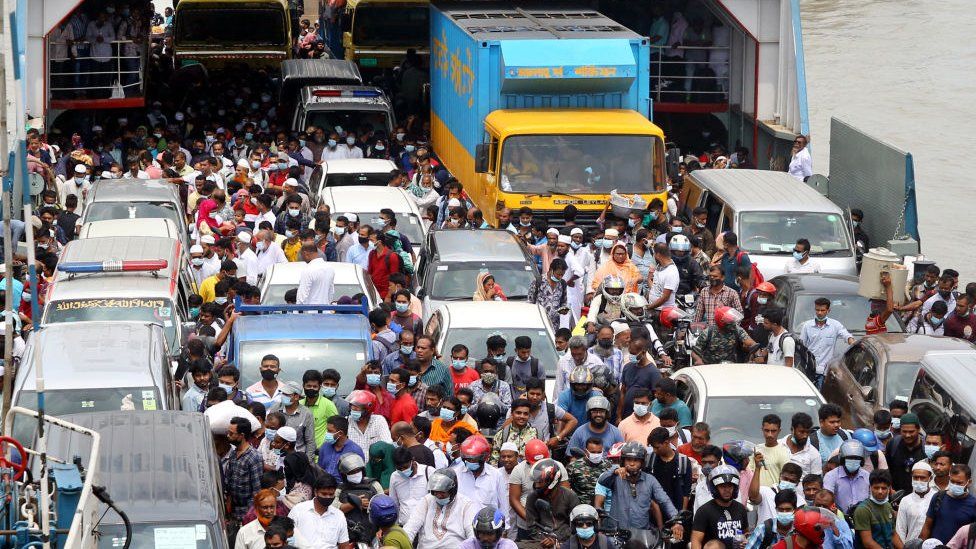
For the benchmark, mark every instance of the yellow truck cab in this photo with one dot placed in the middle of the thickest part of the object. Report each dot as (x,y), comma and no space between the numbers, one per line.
(378,33)
(217,33)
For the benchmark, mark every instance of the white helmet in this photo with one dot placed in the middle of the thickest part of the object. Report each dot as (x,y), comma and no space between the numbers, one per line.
(679,243)
(613,288)
(631,301)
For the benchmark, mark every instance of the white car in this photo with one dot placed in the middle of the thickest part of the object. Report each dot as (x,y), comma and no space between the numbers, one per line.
(733,398)
(350,280)
(142,226)
(472,322)
(366,202)
(351,171)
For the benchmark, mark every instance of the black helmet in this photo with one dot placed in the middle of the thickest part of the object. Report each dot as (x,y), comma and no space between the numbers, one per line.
(489,522)
(633,450)
(443,480)
(489,411)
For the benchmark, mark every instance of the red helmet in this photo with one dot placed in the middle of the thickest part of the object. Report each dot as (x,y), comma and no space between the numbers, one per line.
(615,451)
(535,450)
(811,522)
(669,315)
(727,315)
(546,472)
(766,288)
(364,399)
(475,448)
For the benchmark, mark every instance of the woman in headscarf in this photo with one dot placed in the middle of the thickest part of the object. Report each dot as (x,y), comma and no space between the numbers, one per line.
(487,289)
(619,265)
(207,220)
(380,464)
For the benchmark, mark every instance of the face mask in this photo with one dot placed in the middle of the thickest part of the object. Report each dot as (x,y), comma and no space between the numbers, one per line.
(896,423)
(797,256)
(784,518)
(585,533)
(406,350)
(373,380)
(671,431)
(852,465)
(194,312)
(332,143)
(409,148)
(350,141)
(881,501)
(79,181)
(575,245)
(248,136)
(220,300)
(294,212)
(328,392)
(500,358)
(196,261)
(459,364)
(402,307)
(379,147)
(554,278)
(270,434)
(706,469)
(882,435)
(355,415)
(324,502)
(787,485)
(820,318)
(956,490)
(443,502)
(677,230)
(329,438)
(631,223)
(935,321)
(400,136)
(255,165)
(391,387)
(473,465)
(447,414)
(920,486)
(229,389)
(640,410)
(413,381)
(607,244)
(594,457)
(762,300)
(363,241)
(930,450)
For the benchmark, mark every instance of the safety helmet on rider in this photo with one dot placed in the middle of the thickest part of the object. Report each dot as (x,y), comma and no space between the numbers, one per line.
(349,463)
(634,306)
(633,450)
(613,288)
(363,399)
(581,375)
(669,315)
(489,526)
(598,402)
(679,243)
(722,474)
(382,510)
(766,288)
(867,438)
(614,451)
(811,522)
(475,449)
(443,480)
(535,450)
(545,476)
(727,316)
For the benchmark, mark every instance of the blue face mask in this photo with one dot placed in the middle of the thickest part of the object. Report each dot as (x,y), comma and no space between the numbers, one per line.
(228,388)
(797,256)
(391,387)
(554,278)
(409,148)
(501,357)
(935,321)
(464,409)
(328,392)
(677,230)
(459,364)
(248,136)
(329,438)
(270,434)
(631,223)
(787,485)
(607,244)
(443,502)
(373,380)
(599,242)
(406,474)
(882,435)
(930,450)
(413,381)
(407,349)
(784,518)
(472,465)
(194,312)
(402,307)
(585,533)
(447,414)
(575,245)
(852,465)
(355,415)
(956,490)
(881,501)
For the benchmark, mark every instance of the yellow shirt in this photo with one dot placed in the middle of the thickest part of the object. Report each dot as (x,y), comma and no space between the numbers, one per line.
(775,458)
(207,288)
(291,249)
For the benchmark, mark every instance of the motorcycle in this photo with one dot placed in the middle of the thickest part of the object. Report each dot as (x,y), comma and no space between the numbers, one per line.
(649,538)
(682,339)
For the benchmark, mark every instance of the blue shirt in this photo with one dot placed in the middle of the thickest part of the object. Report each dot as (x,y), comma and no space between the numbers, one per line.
(844,538)
(630,510)
(820,339)
(329,457)
(394,361)
(684,414)
(953,514)
(729,265)
(610,436)
(848,490)
(827,445)
(575,406)
(359,255)
(18,290)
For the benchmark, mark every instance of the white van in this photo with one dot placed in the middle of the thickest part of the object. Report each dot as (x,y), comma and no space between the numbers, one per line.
(769,211)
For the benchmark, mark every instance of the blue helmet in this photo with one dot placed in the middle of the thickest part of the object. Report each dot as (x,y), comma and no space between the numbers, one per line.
(868,439)
(489,521)
(382,510)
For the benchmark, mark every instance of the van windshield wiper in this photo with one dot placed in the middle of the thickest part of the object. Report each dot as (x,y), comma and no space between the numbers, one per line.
(554,192)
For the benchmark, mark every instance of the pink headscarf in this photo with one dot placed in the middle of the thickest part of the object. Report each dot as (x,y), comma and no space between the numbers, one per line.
(203,214)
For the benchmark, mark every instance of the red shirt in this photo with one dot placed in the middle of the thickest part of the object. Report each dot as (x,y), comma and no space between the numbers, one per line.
(464,378)
(688,451)
(955,326)
(381,266)
(874,326)
(404,408)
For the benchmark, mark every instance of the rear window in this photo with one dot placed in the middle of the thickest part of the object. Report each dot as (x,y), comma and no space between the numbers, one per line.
(73,401)
(103,211)
(160,311)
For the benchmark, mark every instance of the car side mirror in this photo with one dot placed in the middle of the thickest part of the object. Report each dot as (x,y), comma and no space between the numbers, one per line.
(481,158)
(868,393)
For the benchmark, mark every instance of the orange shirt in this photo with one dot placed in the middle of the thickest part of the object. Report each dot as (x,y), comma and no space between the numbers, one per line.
(439,434)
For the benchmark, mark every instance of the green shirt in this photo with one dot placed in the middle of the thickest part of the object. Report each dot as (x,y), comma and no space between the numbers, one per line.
(321,411)
(396,537)
(874,518)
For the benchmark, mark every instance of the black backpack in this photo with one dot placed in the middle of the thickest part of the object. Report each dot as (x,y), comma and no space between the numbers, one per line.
(803,358)
(815,438)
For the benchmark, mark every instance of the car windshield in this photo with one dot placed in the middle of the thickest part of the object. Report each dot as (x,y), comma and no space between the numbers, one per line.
(159,311)
(245,27)
(458,281)
(330,115)
(275,293)
(390,25)
(298,356)
(474,339)
(777,233)
(851,310)
(408,224)
(900,380)
(583,164)
(738,418)
(358,178)
(59,402)
(189,535)
(103,211)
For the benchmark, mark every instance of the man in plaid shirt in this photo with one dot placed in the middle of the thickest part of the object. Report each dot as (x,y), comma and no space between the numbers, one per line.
(715,295)
(244,468)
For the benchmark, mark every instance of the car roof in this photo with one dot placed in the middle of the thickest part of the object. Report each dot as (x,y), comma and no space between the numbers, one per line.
(360,165)
(291,272)
(147,475)
(134,190)
(305,326)
(117,354)
(367,198)
(481,245)
(912,347)
(953,370)
(296,73)
(815,283)
(763,190)
(126,285)
(732,380)
(493,314)
(148,226)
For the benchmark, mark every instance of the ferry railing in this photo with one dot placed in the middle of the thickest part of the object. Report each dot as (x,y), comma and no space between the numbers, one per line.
(76,77)
(676,79)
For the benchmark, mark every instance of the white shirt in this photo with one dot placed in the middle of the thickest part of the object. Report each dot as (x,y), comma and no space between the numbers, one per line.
(251,536)
(247,266)
(268,216)
(272,255)
(808,458)
(665,279)
(317,283)
(488,488)
(442,527)
(211,266)
(566,365)
(376,430)
(950,303)
(100,51)
(339,153)
(440,458)
(767,507)
(325,531)
(911,514)
(810,266)
(801,165)
(407,492)
(778,355)
(352,151)
(70,187)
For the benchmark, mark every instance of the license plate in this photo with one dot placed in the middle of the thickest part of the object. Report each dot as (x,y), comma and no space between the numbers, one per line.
(367,62)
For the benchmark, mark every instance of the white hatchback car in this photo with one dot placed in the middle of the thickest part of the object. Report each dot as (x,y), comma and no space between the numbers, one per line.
(350,280)
(733,398)
(366,202)
(351,171)
(471,323)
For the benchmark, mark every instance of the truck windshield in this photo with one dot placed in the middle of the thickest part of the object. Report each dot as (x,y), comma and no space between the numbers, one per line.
(348,118)
(160,311)
(296,356)
(187,535)
(584,164)
(777,233)
(216,25)
(390,25)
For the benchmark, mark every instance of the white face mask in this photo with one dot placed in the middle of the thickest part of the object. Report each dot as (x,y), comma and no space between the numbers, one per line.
(354,478)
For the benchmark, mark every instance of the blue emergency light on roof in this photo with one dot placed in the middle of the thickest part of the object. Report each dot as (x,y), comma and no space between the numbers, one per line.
(113,266)
(347,93)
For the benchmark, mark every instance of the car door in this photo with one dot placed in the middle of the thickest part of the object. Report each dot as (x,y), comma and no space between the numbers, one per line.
(852,384)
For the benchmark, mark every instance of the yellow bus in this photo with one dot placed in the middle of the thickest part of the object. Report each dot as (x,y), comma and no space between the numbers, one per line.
(221,32)
(378,33)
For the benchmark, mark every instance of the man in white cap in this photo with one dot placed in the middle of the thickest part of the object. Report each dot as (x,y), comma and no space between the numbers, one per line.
(913,507)
(211,261)
(583,253)
(268,251)
(198,264)
(610,237)
(290,188)
(78,185)
(574,280)
(247,260)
